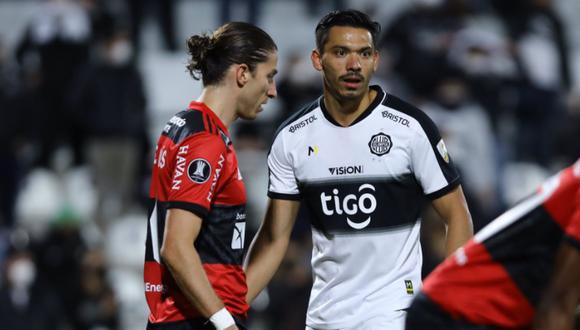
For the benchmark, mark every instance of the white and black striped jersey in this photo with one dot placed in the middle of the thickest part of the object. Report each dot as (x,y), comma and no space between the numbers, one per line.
(363,187)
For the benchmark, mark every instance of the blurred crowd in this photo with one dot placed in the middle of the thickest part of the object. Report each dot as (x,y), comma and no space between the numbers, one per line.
(75,144)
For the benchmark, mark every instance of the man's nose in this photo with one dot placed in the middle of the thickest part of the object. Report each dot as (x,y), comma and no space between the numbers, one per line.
(272,92)
(353,63)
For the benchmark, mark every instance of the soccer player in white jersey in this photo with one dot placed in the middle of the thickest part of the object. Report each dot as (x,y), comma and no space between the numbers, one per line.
(362,161)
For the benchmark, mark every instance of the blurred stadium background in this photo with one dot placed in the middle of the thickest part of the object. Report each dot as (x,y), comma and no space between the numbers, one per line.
(87,85)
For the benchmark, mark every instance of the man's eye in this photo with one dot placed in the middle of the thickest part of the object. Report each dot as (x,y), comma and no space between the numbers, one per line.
(340,52)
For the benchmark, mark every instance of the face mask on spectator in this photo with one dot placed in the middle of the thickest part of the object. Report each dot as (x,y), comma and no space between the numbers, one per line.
(22,273)
(120,52)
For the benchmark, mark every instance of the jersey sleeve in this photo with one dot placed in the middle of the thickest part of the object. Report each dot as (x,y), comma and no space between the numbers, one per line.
(431,163)
(198,162)
(573,229)
(282,182)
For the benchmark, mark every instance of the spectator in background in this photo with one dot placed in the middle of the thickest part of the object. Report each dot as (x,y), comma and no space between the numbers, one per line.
(490,70)
(57,43)
(163,11)
(540,48)
(109,103)
(97,307)
(417,41)
(26,302)
(298,86)
(253,8)
(466,129)
(314,7)
(10,131)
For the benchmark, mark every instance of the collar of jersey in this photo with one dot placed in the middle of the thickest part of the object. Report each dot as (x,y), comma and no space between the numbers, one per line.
(205,109)
(378,99)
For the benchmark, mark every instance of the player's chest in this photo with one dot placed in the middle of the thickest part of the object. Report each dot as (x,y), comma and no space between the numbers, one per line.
(370,150)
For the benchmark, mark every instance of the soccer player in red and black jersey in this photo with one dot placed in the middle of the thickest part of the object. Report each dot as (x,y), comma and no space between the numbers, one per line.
(195,238)
(522,271)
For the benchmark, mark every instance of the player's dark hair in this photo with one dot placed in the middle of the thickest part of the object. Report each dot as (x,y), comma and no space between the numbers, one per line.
(232,43)
(350,17)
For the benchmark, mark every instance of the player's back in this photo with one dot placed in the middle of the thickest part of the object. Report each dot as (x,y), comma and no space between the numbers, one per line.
(497,277)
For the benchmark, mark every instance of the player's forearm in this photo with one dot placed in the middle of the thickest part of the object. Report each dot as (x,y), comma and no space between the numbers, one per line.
(264,258)
(459,231)
(187,270)
(556,313)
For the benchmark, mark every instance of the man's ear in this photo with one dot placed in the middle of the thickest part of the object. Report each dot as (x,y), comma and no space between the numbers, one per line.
(242,74)
(316,59)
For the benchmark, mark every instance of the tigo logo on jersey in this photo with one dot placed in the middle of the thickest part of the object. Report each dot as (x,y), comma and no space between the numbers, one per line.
(238,235)
(380,144)
(199,170)
(351,205)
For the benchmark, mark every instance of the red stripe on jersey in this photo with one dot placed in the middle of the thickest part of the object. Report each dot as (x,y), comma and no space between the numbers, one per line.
(565,201)
(463,289)
(229,283)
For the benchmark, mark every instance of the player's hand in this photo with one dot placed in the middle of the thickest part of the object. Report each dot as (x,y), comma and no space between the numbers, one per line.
(232,327)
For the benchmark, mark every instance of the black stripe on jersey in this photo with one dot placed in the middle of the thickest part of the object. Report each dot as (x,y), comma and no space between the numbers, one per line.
(445,190)
(160,216)
(292,197)
(527,249)
(217,234)
(429,128)
(196,209)
(211,125)
(193,124)
(363,205)
(378,99)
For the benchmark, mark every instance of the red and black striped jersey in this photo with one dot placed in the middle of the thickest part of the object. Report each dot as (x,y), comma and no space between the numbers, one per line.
(196,169)
(498,277)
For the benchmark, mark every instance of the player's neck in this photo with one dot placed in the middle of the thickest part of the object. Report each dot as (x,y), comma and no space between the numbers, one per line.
(221,102)
(346,111)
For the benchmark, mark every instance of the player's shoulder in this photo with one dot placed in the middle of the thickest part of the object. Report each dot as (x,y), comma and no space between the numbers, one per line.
(300,119)
(393,107)
(193,123)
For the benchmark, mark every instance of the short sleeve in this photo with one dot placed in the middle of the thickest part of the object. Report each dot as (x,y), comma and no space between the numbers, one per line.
(431,163)
(198,162)
(282,182)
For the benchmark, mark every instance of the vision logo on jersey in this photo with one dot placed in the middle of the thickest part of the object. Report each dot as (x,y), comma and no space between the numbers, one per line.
(443,150)
(350,205)
(199,170)
(380,144)
(238,235)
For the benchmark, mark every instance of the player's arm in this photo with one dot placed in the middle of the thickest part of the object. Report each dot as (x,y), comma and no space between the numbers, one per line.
(452,208)
(180,256)
(556,309)
(269,246)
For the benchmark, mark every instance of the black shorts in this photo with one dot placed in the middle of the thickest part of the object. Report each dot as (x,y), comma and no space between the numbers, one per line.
(195,324)
(424,314)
